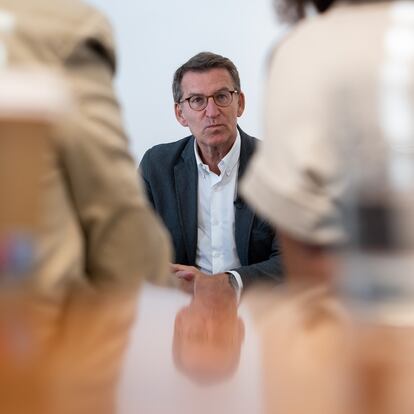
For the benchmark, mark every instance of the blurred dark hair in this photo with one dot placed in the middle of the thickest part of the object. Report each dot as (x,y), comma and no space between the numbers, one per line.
(293,10)
(203,62)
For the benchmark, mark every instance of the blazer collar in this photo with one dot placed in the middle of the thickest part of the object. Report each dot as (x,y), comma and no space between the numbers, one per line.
(243,214)
(246,151)
(186,187)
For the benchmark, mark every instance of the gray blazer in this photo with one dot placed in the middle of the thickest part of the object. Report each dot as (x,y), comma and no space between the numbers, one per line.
(171,178)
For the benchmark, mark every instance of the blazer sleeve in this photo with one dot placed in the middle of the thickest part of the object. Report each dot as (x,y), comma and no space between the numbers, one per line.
(124,241)
(269,270)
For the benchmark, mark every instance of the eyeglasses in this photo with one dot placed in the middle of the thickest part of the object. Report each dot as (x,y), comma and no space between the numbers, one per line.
(199,102)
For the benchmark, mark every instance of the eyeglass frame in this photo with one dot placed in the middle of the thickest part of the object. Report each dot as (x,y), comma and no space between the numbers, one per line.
(234,91)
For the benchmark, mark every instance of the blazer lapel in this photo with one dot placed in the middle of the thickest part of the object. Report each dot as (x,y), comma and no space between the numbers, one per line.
(186,187)
(243,215)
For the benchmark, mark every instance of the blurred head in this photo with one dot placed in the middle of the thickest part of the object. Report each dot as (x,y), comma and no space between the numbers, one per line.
(294,10)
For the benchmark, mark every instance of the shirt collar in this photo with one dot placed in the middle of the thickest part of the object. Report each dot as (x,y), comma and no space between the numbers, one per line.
(227,164)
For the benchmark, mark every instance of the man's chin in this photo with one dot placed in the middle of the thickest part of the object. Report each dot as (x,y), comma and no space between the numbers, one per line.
(217,133)
(216,136)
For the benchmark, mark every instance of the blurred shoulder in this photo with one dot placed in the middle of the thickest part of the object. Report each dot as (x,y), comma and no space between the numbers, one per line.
(55,28)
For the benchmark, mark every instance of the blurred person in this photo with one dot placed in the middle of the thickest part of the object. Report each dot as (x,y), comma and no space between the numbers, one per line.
(96,239)
(208,333)
(96,229)
(321,110)
(193,183)
(340,89)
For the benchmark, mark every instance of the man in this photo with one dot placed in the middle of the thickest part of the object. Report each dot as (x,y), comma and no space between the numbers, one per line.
(192,183)
(96,229)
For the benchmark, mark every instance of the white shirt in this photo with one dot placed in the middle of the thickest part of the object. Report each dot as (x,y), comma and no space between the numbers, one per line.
(216,245)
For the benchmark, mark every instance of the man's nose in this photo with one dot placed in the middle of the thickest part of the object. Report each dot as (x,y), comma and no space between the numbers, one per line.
(212,109)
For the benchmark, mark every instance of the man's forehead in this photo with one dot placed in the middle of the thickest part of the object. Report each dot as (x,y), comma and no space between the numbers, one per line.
(212,79)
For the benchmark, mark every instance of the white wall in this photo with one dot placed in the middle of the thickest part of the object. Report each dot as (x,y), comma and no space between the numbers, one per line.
(155,37)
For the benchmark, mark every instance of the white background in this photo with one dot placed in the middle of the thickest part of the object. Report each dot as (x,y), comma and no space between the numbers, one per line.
(155,37)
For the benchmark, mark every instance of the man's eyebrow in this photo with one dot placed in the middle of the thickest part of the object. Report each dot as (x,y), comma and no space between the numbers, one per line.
(224,88)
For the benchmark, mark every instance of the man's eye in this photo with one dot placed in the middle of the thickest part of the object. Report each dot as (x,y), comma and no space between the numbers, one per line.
(221,97)
(197,99)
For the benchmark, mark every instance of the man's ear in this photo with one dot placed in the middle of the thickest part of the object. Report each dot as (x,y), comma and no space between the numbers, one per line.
(179,115)
(241,103)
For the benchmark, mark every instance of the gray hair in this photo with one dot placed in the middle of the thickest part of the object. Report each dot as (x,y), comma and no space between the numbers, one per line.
(203,62)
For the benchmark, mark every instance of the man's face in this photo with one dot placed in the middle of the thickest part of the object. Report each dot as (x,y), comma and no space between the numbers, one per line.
(213,126)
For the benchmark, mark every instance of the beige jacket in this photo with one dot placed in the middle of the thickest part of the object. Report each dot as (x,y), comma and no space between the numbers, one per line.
(96,224)
(340,92)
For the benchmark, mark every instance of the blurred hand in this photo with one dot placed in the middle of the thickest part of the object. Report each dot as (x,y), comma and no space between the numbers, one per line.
(186,276)
(191,279)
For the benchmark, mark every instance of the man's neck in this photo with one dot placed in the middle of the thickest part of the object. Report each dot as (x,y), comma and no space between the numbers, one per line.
(212,155)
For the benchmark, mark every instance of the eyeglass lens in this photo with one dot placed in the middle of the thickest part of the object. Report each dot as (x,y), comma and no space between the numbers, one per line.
(222,98)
